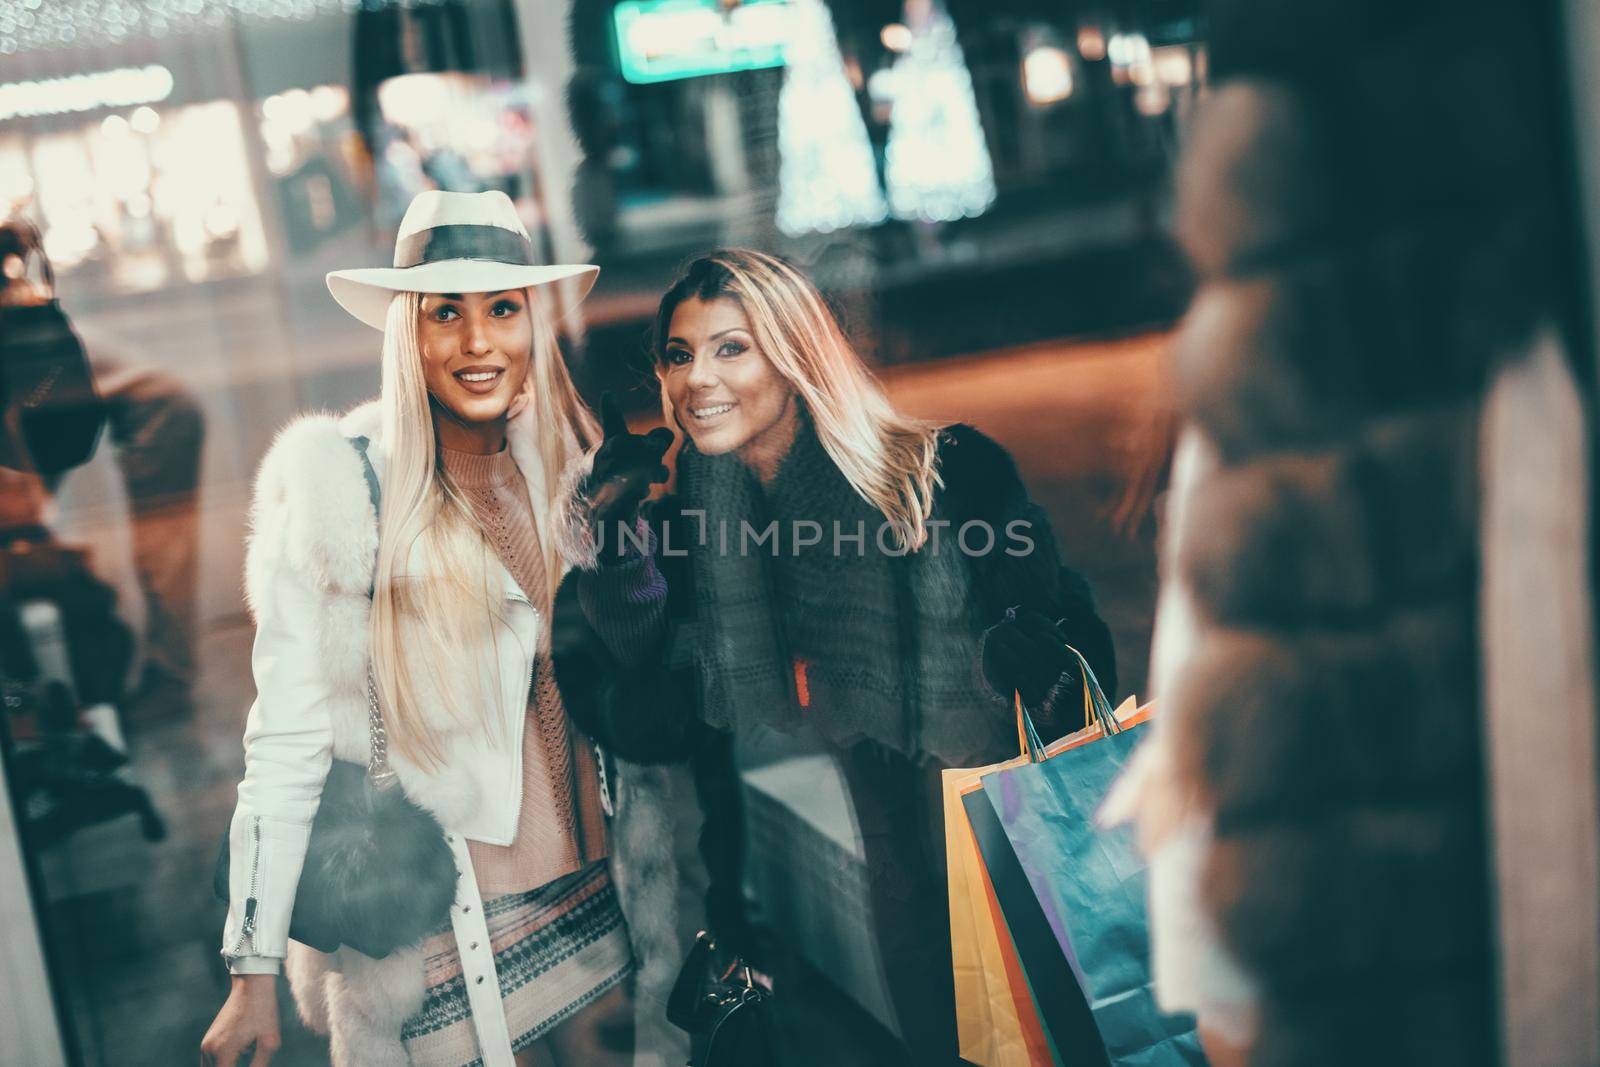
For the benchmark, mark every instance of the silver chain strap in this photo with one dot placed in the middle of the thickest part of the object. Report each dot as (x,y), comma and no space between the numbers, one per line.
(377,738)
(381,773)
(606,804)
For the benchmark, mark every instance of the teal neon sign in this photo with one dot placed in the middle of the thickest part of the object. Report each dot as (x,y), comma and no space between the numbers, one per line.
(663,40)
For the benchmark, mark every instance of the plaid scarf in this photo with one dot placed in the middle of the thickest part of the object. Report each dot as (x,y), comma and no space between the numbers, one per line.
(841,633)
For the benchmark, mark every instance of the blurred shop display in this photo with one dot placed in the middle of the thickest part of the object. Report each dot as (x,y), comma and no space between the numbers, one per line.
(181,142)
(701,118)
(459,132)
(662,40)
(937,163)
(138,196)
(162,145)
(828,178)
(439,103)
(912,155)
(311,154)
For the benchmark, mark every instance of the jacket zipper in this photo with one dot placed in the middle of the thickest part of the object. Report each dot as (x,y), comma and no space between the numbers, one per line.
(247,932)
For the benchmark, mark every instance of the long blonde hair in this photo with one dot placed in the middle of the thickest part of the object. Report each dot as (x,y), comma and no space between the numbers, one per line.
(890,459)
(446,621)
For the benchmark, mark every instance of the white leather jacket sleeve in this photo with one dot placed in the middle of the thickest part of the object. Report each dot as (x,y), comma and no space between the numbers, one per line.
(288,744)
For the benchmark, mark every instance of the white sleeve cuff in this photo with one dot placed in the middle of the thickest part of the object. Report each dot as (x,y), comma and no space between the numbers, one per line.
(255,965)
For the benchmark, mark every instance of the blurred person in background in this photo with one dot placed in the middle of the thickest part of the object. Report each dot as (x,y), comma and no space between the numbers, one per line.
(896,644)
(157,432)
(451,587)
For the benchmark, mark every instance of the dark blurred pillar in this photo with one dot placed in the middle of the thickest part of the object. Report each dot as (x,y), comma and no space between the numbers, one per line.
(1376,201)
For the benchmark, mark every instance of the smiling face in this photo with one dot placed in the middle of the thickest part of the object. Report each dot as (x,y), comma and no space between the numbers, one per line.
(727,395)
(476,350)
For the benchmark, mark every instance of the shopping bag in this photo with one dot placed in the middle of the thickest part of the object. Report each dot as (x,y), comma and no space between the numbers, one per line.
(1052,984)
(1050,977)
(995,1016)
(997,1012)
(1072,893)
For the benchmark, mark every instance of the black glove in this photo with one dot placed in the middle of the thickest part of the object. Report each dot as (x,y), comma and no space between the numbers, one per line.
(1026,653)
(625,467)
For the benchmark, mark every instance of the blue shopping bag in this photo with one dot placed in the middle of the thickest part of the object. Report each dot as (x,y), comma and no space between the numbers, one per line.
(1073,893)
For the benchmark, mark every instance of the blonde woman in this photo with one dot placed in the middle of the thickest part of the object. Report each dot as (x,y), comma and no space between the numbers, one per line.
(827,564)
(443,595)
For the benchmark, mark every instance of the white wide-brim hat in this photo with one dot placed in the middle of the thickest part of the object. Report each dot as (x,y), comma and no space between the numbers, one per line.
(453,243)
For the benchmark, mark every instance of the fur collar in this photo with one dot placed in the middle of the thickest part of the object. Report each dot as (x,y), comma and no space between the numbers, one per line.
(312,512)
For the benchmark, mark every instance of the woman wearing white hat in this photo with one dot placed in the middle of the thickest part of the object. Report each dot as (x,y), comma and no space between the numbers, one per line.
(425,634)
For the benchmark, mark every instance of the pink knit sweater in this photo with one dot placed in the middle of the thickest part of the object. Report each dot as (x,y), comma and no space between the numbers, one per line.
(561,827)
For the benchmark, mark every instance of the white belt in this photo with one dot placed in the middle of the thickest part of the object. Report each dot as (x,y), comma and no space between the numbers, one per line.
(477,962)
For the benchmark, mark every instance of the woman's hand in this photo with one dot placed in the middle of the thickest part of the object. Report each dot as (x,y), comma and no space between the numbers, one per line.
(1025,653)
(249,1018)
(524,397)
(625,467)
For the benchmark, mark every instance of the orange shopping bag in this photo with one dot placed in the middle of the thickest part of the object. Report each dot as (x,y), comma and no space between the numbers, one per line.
(996,1020)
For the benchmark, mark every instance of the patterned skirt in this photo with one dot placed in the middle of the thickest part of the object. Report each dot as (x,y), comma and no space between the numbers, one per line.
(556,949)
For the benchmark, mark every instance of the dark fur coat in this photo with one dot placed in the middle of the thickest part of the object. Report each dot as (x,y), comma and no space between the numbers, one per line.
(648,711)
(1362,265)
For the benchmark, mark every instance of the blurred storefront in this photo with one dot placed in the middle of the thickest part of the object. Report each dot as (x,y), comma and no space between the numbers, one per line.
(1024,97)
(885,144)
(901,150)
(140,175)
(227,152)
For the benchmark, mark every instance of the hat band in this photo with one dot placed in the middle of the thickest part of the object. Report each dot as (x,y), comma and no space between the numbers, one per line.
(495,243)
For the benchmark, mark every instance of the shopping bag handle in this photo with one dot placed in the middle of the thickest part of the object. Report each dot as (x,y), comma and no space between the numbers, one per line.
(1096,710)
(1028,742)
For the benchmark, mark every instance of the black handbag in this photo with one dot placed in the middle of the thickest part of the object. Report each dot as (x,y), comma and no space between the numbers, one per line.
(725,1010)
(52,414)
(378,875)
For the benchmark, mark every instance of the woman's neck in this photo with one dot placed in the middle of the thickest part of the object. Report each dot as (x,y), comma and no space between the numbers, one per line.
(765,452)
(483,438)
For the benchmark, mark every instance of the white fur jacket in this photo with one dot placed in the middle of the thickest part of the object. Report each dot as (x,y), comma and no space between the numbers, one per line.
(308,573)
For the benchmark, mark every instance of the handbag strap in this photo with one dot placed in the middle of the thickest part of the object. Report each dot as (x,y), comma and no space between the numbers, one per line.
(378,768)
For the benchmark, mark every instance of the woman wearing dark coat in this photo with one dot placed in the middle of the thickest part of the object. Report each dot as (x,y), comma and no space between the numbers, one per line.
(826,564)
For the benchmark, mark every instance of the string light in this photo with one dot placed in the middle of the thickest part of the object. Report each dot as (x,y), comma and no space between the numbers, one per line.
(827,178)
(85,92)
(51,25)
(1046,75)
(937,162)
